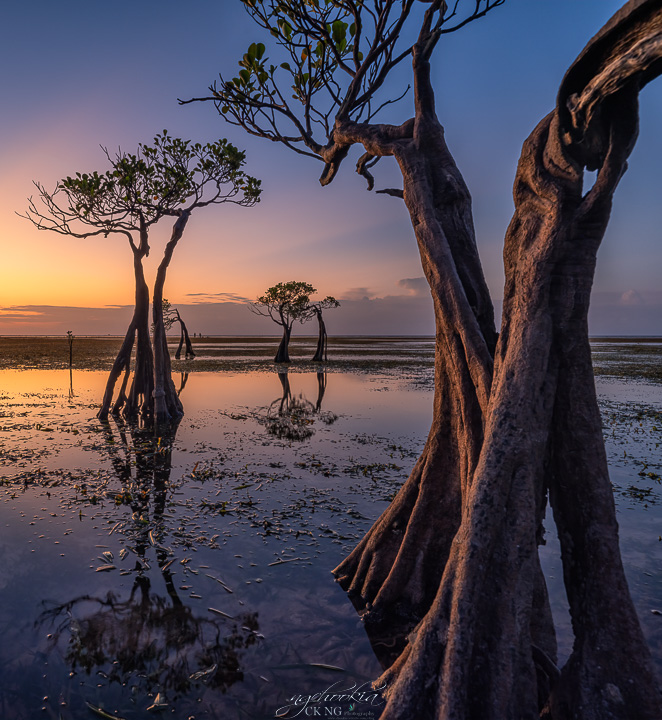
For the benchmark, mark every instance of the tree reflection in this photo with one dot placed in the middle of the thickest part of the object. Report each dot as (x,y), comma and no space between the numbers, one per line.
(182,383)
(292,417)
(151,640)
(155,643)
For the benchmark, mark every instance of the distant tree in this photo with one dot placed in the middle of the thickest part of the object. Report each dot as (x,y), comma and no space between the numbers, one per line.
(285,303)
(170,317)
(170,178)
(315,309)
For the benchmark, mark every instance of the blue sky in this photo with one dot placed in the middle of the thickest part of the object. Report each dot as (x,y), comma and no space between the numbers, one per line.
(80,74)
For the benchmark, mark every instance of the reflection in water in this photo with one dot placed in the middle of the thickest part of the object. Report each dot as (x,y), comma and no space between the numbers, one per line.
(182,383)
(137,630)
(291,417)
(153,641)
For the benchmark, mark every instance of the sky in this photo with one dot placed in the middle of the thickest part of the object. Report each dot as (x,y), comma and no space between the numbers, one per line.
(77,75)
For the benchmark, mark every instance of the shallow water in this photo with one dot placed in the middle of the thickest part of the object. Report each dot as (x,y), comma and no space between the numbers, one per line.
(253,521)
(214,598)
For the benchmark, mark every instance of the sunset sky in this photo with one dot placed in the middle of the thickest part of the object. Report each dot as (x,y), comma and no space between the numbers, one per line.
(77,75)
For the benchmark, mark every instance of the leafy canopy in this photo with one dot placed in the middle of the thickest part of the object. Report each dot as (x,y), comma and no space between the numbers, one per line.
(331,59)
(166,178)
(316,307)
(285,302)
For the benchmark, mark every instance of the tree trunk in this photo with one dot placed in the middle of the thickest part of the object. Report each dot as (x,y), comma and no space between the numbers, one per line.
(183,338)
(140,401)
(167,406)
(139,398)
(474,655)
(394,572)
(178,353)
(189,347)
(122,364)
(320,353)
(283,354)
(485,650)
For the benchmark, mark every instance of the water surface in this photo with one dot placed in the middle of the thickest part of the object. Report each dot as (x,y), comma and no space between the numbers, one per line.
(191,574)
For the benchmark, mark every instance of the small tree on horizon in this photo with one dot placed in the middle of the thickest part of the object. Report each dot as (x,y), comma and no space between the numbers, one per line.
(170,317)
(315,309)
(170,178)
(284,303)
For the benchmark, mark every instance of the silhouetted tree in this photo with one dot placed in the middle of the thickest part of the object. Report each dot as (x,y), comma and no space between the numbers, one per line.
(284,303)
(170,317)
(513,420)
(315,309)
(170,178)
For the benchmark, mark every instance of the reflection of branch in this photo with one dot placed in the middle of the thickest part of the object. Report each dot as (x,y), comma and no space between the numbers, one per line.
(321,389)
(151,641)
(182,385)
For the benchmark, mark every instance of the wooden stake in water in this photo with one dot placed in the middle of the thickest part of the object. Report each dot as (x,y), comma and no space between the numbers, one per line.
(70,338)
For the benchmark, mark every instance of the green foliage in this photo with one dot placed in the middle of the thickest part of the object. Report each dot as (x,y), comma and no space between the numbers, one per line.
(285,302)
(165,178)
(329,302)
(159,178)
(318,36)
(332,65)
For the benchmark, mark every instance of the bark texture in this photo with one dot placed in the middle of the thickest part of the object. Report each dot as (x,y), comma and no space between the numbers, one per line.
(395,571)
(458,547)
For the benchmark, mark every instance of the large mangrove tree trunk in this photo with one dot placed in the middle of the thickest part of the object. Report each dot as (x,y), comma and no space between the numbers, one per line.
(481,652)
(394,573)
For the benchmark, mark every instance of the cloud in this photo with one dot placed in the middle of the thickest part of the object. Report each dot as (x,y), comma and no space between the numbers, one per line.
(57,319)
(634,312)
(612,313)
(414,286)
(218,297)
(357,293)
(631,297)
(14,313)
(392,315)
